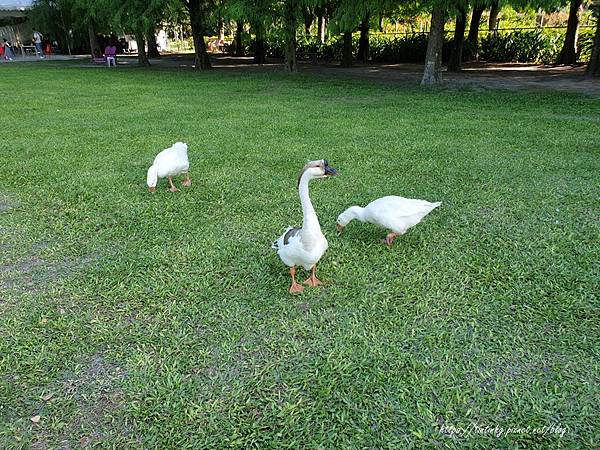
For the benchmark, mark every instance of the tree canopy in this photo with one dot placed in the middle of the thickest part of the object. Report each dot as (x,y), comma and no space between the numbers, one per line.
(270,21)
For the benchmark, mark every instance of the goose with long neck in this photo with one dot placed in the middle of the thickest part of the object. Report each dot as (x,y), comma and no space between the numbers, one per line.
(306,245)
(397,214)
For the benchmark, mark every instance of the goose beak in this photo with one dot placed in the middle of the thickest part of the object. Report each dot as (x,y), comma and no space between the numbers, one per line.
(339,228)
(152,190)
(330,171)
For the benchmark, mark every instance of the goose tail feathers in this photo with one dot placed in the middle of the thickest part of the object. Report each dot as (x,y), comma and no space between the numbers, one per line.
(281,241)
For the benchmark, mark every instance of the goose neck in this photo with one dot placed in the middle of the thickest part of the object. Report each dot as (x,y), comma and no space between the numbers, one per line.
(310,219)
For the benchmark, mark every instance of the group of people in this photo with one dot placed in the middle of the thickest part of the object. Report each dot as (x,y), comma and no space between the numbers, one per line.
(7,51)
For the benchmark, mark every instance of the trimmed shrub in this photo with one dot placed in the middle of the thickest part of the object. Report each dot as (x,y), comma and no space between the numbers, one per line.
(534,46)
(537,46)
(585,45)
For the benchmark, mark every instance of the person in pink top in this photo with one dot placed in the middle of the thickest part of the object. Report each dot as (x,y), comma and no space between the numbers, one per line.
(110,53)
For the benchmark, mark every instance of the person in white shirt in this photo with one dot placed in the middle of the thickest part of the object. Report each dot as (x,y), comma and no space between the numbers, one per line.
(37,41)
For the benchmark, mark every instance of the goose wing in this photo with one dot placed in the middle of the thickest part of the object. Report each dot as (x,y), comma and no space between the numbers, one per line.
(399,206)
(398,212)
(284,239)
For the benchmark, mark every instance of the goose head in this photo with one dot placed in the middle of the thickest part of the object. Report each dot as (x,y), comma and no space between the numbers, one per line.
(316,169)
(152,179)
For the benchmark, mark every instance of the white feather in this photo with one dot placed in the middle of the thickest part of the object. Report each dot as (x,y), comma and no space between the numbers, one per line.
(308,244)
(169,163)
(392,212)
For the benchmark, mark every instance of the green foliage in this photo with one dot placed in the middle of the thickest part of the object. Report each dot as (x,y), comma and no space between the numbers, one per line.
(585,45)
(405,48)
(534,46)
(138,16)
(541,46)
(57,21)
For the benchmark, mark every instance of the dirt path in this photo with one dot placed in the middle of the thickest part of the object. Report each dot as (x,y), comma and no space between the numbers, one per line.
(487,76)
(515,76)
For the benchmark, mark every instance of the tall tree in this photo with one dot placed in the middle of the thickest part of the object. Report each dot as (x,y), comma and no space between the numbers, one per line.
(92,35)
(473,37)
(455,61)
(321,12)
(290,16)
(593,68)
(363,41)
(432,73)
(199,10)
(347,49)
(138,16)
(260,46)
(239,43)
(260,15)
(494,11)
(152,45)
(349,15)
(568,54)
(92,15)
(58,20)
(309,17)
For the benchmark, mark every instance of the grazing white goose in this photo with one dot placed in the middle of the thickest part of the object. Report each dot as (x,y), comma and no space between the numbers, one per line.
(305,246)
(395,213)
(169,163)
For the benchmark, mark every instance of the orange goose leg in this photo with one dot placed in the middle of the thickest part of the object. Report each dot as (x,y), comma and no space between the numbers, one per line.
(389,239)
(172,188)
(295,287)
(313,280)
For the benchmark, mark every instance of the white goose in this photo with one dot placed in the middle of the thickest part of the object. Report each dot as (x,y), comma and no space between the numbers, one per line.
(169,163)
(305,246)
(395,213)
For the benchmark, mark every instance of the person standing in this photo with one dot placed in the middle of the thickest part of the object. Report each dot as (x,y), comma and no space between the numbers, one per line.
(8,53)
(37,41)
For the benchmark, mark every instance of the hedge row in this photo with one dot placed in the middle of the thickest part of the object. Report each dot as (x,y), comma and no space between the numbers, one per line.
(533,46)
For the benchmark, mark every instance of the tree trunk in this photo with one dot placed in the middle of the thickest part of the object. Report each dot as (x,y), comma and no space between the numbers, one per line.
(65,31)
(494,11)
(94,47)
(322,25)
(433,60)
(539,18)
(152,46)
(308,20)
(473,36)
(363,42)
(291,64)
(568,54)
(320,22)
(239,45)
(382,23)
(593,68)
(201,58)
(347,50)
(221,28)
(141,45)
(455,61)
(259,46)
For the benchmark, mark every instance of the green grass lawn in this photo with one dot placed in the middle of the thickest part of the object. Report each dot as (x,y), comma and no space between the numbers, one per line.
(130,319)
